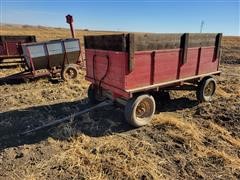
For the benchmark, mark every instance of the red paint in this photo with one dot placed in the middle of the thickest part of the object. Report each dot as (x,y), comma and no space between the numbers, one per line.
(11,48)
(150,67)
(69,20)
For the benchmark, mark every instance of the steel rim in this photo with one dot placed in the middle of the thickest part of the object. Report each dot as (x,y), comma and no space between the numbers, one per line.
(209,89)
(70,73)
(144,109)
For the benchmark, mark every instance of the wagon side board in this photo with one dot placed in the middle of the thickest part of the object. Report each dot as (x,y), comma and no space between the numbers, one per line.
(97,67)
(142,61)
(152,69)
(169,83)
(160,66)
(10,46)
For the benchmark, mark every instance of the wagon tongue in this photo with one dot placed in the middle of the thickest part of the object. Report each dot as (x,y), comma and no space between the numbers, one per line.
(67,118)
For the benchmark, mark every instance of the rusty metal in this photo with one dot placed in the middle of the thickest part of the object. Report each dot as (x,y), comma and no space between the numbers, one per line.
(209,89)
(69,20)
(53,59)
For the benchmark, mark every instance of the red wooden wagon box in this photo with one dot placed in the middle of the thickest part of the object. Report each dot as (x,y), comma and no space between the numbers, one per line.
(132,67)
(10,46)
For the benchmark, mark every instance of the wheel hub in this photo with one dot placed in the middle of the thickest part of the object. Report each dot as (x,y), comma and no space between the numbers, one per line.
(70,73)
(209,89)
(143,109)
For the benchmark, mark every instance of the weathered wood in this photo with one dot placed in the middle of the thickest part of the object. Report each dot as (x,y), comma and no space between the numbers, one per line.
(168,83)
(131,50)
(184,47)
(25,39)
(106,42)
(148,41)
(218,45)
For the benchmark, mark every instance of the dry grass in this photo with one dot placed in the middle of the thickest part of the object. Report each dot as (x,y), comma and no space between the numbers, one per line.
(183,142)
(231,49)
(46,33)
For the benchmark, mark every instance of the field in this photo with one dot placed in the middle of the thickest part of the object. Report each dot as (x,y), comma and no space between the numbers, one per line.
(186,140)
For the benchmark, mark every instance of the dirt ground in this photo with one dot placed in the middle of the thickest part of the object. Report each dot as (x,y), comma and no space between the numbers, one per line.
(186,140)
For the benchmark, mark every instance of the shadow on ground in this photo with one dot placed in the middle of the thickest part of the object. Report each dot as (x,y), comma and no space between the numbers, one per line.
(8,66)
(100,122)
(22,77)
(176,104)
(96,123)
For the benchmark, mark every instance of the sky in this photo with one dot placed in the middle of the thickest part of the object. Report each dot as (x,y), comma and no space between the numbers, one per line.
(122,15)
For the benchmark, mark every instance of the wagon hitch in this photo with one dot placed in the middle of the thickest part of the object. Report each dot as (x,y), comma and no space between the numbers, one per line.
(67,118)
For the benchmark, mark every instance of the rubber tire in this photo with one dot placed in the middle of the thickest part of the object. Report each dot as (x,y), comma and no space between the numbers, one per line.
(130,109)
(201,87)
(92,95)
(64,72)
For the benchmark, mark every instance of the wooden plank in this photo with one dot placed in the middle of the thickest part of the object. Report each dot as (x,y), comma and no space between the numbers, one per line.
(198,60)
(116,71)
(153,57)
(184,47)
(170,82)
(207,64)
(131,50)
(106,42)
(147,41)
(189,68)
(25,39)
(218,44)
(166,66)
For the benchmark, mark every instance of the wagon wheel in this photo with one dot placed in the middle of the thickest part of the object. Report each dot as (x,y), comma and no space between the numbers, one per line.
(140,110)
(94,95)
(69,72)
(206,89)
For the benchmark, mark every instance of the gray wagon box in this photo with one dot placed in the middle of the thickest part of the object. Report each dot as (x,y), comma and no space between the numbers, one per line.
(50,54)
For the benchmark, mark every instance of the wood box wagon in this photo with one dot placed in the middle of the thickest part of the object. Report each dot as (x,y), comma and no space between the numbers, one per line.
(10,47)
(134,69)
(138,69)
(50,58)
